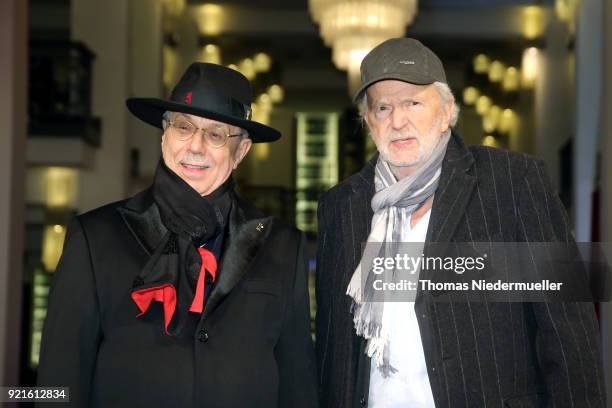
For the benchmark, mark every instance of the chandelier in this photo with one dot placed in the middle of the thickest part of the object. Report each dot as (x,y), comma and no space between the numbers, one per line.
(353,27)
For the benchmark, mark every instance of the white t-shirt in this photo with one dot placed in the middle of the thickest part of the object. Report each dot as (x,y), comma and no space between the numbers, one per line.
(409,386)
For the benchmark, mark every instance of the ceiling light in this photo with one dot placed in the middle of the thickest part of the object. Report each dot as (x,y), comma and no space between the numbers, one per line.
(353,27)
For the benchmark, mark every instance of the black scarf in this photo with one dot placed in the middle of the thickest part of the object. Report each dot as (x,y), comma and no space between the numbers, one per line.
(171,274)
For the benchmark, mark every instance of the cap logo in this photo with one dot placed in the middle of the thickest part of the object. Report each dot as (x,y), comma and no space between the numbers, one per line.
(407,62)
(188,98)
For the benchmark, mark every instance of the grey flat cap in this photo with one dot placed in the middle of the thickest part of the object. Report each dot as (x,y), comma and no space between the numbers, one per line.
(403,59)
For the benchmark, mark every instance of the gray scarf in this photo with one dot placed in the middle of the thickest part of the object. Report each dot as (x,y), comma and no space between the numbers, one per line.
(392,204)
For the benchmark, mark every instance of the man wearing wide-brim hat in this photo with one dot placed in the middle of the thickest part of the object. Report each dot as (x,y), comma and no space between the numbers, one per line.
(184,295)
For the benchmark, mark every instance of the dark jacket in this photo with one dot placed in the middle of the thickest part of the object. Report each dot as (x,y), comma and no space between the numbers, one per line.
(477,354)
(251,347)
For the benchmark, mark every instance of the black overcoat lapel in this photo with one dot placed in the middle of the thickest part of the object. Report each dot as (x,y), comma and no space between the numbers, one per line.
(246,233)
(453,193)
(142,218)
(357,216)
(356,224)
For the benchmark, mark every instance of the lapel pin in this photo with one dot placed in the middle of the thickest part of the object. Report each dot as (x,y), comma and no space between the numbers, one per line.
(259,227)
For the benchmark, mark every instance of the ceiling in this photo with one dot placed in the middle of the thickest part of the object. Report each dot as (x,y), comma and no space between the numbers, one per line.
(455,29)
(423,4)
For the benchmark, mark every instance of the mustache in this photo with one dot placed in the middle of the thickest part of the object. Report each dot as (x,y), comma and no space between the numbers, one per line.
(195,159)
(393,136)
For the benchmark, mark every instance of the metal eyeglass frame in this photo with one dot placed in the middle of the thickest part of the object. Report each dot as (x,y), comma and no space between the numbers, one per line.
(204,132)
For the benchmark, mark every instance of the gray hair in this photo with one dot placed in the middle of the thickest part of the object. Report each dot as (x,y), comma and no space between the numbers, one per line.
(167,117)
(444,91)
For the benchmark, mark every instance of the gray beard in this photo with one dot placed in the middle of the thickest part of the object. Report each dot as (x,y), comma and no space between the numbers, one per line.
(399,165)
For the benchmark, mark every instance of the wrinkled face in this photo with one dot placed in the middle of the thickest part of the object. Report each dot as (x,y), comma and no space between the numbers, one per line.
(406,122)
(202,166)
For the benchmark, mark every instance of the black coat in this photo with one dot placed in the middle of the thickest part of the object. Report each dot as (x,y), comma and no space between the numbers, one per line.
(477,354)
(251,347)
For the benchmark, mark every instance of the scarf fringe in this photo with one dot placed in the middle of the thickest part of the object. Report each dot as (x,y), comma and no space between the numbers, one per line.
(375,333)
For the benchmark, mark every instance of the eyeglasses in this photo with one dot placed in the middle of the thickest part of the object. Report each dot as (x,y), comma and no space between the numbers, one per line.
(215,136)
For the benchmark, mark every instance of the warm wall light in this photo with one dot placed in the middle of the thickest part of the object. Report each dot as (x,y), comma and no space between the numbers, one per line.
(512,80)
(261,151)
(481,64)
(470,95)
(529,67)
(533,22)
(490,141)
(173,9)
(53,242)
(255,112)
(211,53)
(261,111)
(250,67)
(483,104)
(497,70)
(264,101)
(562,10)
(276,92)
(61,187)
(210,19)
(507,122)
(247,68)
(566,9)
(490,120)
(262,62)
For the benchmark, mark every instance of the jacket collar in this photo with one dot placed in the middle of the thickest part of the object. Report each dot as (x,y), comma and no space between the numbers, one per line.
(246,233)
(142,218)
(453,193)
(363,181)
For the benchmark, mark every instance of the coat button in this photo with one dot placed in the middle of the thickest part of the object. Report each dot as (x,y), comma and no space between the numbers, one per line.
(362,402)
(202,336)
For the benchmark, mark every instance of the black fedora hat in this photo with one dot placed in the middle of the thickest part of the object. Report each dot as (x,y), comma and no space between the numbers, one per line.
(211,91)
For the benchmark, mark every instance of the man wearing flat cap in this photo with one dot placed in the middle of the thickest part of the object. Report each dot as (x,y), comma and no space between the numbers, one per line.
(426,187)
(184,295)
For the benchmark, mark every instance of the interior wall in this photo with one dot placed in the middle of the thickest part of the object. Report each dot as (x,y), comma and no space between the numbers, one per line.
(145,80)
(104,27)
(49,20)
(589,74)
(271,164)
(553,112)
(13,108)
